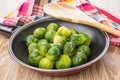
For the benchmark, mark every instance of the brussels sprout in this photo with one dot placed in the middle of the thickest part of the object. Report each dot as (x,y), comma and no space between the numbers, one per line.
(63,62)
(88,40)
(59,45)
(49,35)
(78,39)
(39,32)
(42,41)
(43,49)
(69,48)
(53,53)
(29,39)
(79,58)
(85,49)
(64,31)
(32,46)
(34,58)
(60,39)
(46,63)
(53,26)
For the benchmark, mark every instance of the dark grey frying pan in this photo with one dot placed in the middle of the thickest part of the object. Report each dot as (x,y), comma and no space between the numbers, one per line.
(18,49)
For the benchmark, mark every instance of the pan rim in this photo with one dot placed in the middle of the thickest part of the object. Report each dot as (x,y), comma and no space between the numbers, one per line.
(53,70)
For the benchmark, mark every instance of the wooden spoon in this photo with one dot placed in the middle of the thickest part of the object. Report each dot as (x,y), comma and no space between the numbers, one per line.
(66,12)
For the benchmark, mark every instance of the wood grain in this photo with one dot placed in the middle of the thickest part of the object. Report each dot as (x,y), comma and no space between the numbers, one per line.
(107,68)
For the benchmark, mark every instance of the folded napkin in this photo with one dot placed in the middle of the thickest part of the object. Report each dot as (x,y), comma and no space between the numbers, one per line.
(31,10)
(103,17)
(28,11)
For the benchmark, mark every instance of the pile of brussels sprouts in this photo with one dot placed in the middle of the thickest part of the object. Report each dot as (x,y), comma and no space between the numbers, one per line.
(57,47)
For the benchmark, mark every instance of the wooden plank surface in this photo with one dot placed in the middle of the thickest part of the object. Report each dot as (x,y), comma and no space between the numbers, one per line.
(107,68)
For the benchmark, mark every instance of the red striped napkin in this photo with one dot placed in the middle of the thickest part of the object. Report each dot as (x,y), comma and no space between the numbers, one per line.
(103,17)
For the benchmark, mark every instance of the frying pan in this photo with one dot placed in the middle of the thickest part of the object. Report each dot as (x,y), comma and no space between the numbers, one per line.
(18,49)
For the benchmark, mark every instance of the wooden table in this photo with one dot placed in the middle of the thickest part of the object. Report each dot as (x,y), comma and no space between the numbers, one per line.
(107,68)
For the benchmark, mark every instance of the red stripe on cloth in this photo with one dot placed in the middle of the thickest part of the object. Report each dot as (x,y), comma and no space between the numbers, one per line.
(26,19)
(37,10)
(110,16)
(10,21)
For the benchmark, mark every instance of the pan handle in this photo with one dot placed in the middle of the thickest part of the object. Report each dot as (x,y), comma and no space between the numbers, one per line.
(6,30)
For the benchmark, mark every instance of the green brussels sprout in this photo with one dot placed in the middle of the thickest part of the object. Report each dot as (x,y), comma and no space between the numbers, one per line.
(73,32)
(53,53)
(85,49)
(46,63)
(63,62)
(78,39)
(69,48)
(78,59)
(88,40)
(43,49)
(59,45)
(49,35)
(53,26)
(39,32)
(29,39)
(42,41)
(64,31)
(32,46)
(60,39)
(34,58)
